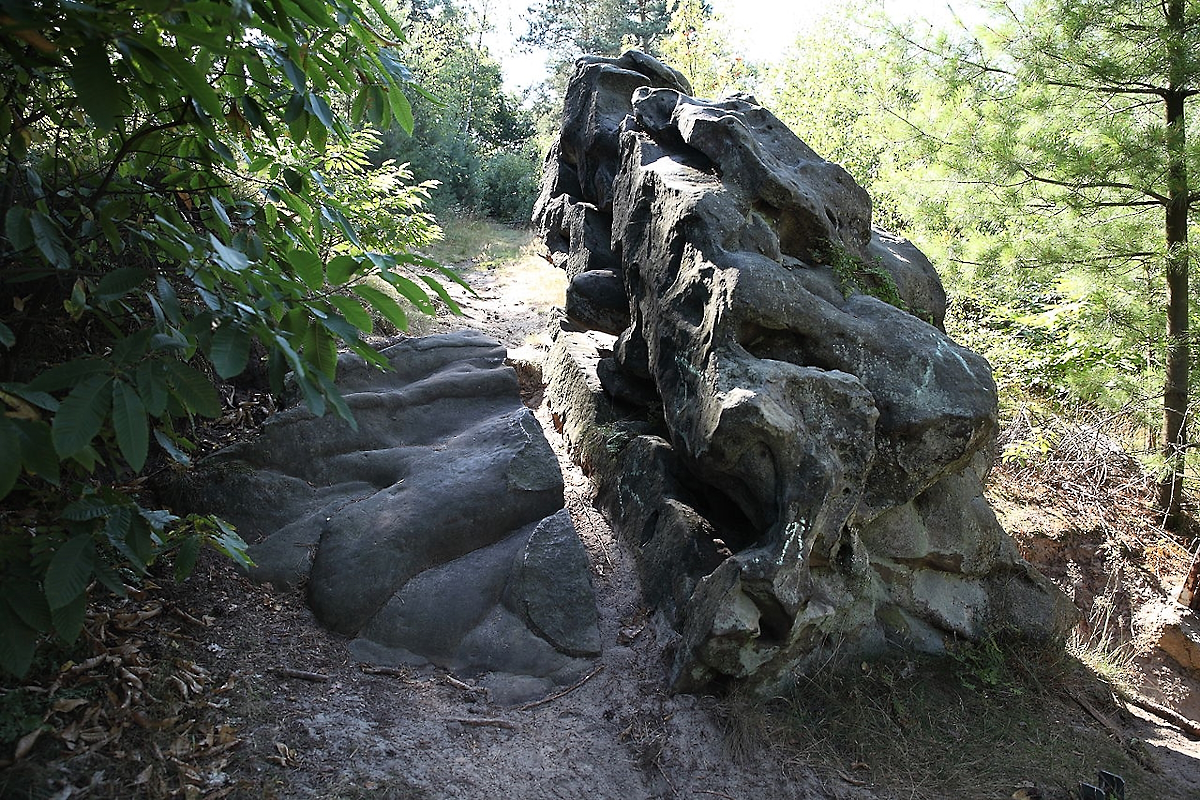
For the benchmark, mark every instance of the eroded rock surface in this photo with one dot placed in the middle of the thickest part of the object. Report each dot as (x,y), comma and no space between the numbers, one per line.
(798,462)
(434,532)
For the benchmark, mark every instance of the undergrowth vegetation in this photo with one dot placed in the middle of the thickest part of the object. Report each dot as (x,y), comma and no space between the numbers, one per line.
(186,198)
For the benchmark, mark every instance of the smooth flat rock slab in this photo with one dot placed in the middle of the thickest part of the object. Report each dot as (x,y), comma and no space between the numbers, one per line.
(434,532)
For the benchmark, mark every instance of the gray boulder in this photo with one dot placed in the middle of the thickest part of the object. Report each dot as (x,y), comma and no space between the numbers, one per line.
(809,480)
(432,532)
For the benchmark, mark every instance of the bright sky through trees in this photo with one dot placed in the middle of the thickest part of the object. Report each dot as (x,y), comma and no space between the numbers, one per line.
(764,28)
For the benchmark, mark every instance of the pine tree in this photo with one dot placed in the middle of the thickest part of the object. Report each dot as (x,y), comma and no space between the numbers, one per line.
(1075,112)
(604,27)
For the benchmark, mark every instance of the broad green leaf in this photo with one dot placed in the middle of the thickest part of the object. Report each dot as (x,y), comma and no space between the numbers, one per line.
(109,577)
(10,462)
(230,349)
(295,76)
(120,282)
(131,349)
(353,311)
(17,643)
(37,450)
(385,15)
(321,349)
(384,304)
(314,398)
(98,91)
(193,80)
(194,390)
(322,111)
(18,228)
(68,374)
(376,105)
(140,537)
(309,267)
(229,257)
(68,619)
(337,325)
(277,365)
(401,108)
(152,386)
(185,558)
(295,180)
(229,543)
(370,355)
(336,400)
(359,106)
(39,399)
(413,293)
(27,602)
(437,287)
(87,458)
(7,338)
(69,571)
(317,11)
(169,300)
(81,415)
(116,530)
(337,217)
(129,422)
(90,506)
(48,239)
(341,269)
(318,134)
(172,449)
(159,518)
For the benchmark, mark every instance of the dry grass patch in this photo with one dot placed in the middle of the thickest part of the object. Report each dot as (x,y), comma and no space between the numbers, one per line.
(987,721)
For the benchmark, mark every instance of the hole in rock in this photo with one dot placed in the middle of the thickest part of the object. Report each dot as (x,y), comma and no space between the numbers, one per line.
(648,528)
(780,345)
(729,523)
(774,623)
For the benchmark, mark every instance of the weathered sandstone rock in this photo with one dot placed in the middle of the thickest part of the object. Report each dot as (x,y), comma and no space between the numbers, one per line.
(797,462)
(434,532)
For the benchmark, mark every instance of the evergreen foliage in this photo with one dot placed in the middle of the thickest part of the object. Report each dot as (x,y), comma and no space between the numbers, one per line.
(606,27)
(1072,115)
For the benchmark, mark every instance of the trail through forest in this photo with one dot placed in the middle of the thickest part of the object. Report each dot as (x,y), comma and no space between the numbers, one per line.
(220,687)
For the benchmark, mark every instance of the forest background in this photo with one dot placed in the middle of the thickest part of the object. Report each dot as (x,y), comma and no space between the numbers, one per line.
(197,192)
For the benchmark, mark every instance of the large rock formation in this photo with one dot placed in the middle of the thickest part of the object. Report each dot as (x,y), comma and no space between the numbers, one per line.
(797,462)
(434,531)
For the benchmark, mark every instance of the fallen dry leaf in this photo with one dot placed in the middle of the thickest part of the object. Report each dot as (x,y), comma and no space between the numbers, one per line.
(26,743)
(69,704)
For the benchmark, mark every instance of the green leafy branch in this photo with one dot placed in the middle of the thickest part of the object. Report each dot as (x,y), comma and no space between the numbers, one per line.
(174,202)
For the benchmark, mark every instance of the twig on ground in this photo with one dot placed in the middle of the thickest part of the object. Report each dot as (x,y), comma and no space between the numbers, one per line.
(395,672)
(186,617)
(849,780)
(564,692)
(304,675)
(457,684)
(1190,727)
(1095,714)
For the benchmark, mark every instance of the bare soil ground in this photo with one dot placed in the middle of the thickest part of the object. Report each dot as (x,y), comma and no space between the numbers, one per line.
(220,687)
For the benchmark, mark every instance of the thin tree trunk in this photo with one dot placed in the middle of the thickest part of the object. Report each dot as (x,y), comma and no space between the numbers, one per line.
(1175,390)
